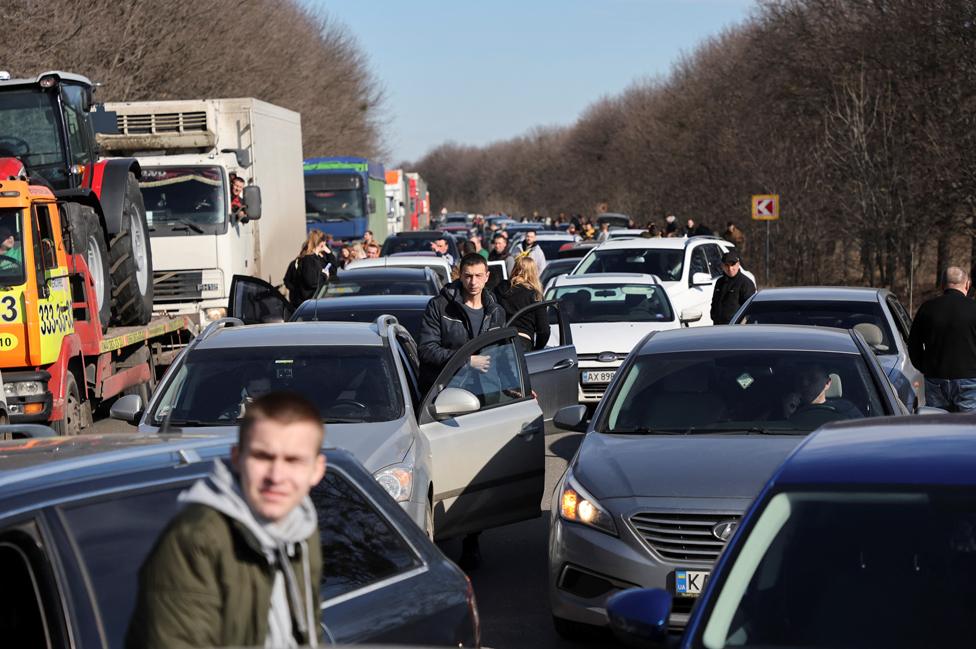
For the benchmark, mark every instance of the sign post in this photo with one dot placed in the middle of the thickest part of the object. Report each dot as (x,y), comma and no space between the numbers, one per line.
(765,207)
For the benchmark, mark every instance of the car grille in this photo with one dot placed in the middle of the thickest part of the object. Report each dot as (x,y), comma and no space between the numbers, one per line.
(682,536)
(593,357)
(177,286)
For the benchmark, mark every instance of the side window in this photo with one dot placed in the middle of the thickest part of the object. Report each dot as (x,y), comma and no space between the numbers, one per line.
(714,255)
(24,618)
(410,369)
(76,124)
(902,320)
(359,545)
(48,256)
(495,376)
(698,262)
(114,537)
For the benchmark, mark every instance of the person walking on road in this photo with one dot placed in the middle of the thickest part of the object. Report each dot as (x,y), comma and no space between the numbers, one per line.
(312,269)
(241,564)
(942,344)
(519,292)
(531,248)
(499,252)
(732,289)
(463,311)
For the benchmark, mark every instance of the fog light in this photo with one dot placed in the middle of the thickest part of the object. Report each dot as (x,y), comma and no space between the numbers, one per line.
(33,408)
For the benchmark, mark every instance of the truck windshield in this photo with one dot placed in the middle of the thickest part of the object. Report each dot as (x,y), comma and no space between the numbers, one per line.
(11,248)
(323,205)
(29,132)
(187,200)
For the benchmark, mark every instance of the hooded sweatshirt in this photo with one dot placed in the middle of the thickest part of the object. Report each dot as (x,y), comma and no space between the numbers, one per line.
(278,542)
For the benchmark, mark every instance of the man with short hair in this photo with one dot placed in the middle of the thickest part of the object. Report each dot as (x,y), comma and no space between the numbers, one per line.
(11,252)
(241,564)
(441,249)
(732,289)
(372,250)
(237,185)
(499,252)
(807,406)
(942,344)
(531,248)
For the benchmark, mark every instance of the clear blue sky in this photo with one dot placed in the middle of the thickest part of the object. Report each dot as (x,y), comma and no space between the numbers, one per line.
(475,72)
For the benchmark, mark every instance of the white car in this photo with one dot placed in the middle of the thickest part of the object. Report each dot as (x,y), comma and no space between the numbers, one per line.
(608,315)
(688,268)
(408,260)
(625,233)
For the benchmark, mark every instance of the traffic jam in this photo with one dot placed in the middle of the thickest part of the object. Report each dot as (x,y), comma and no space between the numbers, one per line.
(226,424)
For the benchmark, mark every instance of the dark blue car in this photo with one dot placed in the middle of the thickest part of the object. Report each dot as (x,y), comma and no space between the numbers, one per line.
(865,537)
(79,515)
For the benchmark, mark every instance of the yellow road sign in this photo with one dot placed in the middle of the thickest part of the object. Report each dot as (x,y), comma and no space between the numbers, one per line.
(765,207)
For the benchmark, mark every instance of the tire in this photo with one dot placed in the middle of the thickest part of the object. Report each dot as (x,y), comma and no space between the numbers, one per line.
(88,240)
(130,256)
(75,421)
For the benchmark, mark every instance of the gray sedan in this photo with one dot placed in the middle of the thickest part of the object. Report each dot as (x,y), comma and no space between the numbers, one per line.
(875,312)
(692,426)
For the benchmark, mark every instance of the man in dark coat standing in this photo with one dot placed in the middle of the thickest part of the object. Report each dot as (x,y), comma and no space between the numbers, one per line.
(732,289)
(942,344)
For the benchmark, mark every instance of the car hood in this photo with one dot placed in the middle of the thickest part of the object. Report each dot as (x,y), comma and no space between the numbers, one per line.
(596,337)
(375,444)
(679,466)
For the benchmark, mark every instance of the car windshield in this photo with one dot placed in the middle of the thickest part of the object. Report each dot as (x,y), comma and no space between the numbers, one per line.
(666,264)
(183,198)
(379,286)
(900,571)
(333,204)
(11,247)
(613,303)
(550,247)
(866,317)
(395,244)
(411,319)
(212,387)
(741,391)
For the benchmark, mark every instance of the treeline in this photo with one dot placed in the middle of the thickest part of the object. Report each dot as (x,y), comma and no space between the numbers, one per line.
(858,113)
(280,51)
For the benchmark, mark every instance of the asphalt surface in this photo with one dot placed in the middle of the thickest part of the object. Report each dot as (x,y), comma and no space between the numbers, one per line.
(511,585)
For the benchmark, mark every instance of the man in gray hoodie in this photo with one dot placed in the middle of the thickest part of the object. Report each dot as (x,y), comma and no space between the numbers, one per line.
(241,564)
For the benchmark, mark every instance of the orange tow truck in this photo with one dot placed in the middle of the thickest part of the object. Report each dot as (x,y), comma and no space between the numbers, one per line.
(58,360)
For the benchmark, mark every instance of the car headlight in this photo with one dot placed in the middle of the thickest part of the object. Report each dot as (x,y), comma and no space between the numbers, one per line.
(397,481)
(24,388)
(214,313)
(577,506)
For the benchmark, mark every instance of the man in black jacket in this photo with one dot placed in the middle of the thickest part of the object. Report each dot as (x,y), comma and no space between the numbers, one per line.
(463,311)
(731,290)
(942,345)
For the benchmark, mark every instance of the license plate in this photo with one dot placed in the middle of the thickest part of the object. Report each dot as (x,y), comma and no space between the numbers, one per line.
(598,376)
(689,583)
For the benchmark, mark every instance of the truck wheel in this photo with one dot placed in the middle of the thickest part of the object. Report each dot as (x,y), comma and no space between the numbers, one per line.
(77,416)
(131,259)
(88,240)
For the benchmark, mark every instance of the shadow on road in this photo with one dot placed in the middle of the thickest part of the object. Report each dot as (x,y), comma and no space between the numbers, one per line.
(564,446)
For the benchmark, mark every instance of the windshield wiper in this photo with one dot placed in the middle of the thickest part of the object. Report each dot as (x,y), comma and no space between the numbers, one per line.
(188,225)
(198,422)
(644,430)
(340,420)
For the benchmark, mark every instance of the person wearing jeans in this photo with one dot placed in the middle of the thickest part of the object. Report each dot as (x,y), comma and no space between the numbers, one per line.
(942,344)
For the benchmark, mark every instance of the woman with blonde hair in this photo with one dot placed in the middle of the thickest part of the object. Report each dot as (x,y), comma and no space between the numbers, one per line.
(522,289)
(311,269)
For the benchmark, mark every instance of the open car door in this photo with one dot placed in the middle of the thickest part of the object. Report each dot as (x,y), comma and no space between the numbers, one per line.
(486,439)
(553,369)
(255,301)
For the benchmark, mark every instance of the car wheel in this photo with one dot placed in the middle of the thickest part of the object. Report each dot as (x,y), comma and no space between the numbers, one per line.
(77,416)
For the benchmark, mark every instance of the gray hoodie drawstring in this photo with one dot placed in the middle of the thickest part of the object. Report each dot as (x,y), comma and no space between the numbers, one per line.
(313,636)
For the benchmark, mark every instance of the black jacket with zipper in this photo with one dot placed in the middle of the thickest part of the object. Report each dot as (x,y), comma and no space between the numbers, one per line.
(446,328)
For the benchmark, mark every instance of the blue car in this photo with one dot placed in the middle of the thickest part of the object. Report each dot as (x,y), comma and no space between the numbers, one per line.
(865,537)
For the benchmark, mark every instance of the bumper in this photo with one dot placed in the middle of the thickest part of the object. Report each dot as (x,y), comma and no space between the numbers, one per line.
(587,566)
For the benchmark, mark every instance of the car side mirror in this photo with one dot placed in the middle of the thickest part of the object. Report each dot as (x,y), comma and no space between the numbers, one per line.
(930,410)
(127,408)
(570,418)
(452,402)
(701,279)
(639,616)
(252,202)
(690,315)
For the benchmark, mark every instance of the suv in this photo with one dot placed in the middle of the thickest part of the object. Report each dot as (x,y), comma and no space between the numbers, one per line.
(436,453)
(70,557)
(688,268)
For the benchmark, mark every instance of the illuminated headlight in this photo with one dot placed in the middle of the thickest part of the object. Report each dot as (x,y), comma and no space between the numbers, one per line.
(397,481)
(576,505)
(215,313)
(24,388)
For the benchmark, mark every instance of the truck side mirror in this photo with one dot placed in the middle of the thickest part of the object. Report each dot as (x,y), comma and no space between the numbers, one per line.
(252,202)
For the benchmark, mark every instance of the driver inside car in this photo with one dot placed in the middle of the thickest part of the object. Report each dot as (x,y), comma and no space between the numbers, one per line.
(11,252)
(808,405)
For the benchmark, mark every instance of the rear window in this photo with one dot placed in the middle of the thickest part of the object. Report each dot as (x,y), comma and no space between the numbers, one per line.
(666,264)
(866,317)
(395,244)
(379,286)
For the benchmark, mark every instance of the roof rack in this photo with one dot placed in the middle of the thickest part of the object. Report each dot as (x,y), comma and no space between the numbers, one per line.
(383,322)
(712,237)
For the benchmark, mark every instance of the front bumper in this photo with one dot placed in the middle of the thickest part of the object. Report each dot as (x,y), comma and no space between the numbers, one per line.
(586,566)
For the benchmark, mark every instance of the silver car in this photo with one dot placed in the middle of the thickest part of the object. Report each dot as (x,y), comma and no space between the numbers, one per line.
(467,456)
(692,426)
(875,312)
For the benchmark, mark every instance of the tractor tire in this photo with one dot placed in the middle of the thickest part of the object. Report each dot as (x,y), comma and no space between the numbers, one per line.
(88,239)
(131,262)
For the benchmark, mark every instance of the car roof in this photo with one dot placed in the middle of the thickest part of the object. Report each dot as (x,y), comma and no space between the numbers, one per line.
(820,293)
(751,337)
(556,234)
(405,259)
(913,450)
(378,302)
(385,273)
(605,278)
(417,234)
(292,334)
(624,243)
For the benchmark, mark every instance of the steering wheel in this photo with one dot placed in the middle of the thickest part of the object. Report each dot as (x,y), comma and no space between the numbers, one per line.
(339,403)
(12,261)
(16,142)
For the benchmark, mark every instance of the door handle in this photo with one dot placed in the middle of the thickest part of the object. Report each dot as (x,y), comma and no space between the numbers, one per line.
(564,364)
(530,430)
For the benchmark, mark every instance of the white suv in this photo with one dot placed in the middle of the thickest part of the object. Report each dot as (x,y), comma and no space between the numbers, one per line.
(688,268)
